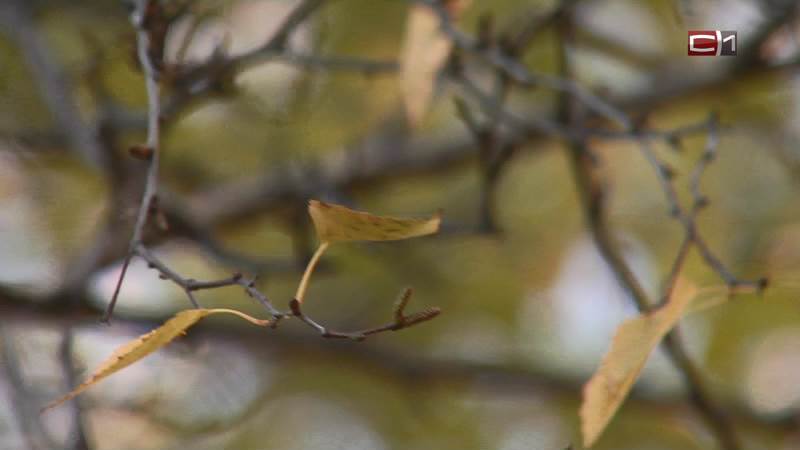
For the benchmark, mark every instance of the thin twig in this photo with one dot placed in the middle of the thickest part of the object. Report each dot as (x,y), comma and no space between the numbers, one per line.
(190,285)
(686,217)
(250,288)
(143,15)
(399,322)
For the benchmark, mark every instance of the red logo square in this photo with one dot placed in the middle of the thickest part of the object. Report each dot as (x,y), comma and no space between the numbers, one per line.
(704,42)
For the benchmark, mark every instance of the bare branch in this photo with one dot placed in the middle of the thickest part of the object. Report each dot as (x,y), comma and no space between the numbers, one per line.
(687,218)
(401,320)
(592,195)
(190,285)
(144,18)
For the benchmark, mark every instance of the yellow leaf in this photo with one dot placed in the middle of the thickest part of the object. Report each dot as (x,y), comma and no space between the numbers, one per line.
(425,51)
(336,223)
(634,341)
(148,343)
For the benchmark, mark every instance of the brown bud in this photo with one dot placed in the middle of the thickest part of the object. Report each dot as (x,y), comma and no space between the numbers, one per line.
(142,152)
(294,305)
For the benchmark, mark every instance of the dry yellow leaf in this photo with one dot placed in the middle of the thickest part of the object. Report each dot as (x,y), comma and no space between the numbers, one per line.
(634,341)
(335,223)
(148,343)
(425,50)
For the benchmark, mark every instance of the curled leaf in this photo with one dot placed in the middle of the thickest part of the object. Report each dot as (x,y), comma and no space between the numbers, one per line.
(632,344)
(335,223)
(148,343)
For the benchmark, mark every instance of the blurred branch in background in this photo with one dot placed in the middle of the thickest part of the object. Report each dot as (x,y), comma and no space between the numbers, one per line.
(415,371)
(78,434)
(27,414)
(56,89)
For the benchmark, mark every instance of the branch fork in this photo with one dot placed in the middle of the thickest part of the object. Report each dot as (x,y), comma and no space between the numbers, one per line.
(401,320)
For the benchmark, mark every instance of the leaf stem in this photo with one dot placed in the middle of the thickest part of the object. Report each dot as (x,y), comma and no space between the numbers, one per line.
(301,289)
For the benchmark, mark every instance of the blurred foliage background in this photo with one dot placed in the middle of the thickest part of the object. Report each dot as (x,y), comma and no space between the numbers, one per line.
(529,306)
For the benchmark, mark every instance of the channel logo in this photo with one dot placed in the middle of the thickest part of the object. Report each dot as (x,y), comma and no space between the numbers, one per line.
(712,43)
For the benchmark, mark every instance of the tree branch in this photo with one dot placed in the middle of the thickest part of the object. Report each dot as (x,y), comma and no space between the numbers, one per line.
(145,18)
(593,196)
